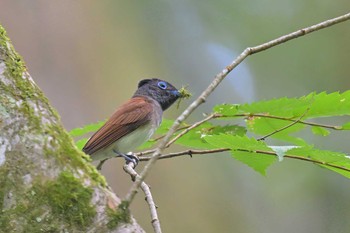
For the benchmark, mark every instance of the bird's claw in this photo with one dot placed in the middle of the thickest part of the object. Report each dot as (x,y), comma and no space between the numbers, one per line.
(129,158)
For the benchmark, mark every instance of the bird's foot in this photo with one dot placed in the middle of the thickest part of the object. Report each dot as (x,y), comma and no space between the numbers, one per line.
(99,166)
(129,157)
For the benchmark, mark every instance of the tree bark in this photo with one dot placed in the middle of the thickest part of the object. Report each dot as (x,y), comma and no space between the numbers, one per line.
(46,183)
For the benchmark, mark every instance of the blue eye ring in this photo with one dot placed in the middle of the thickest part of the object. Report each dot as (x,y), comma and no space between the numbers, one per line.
(162,85)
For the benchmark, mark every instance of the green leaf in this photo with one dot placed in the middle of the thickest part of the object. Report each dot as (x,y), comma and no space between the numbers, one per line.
(236,142)
(312,105)
(256,161)
(346,126)
(338,170)
(77,132)
(226,109)
(148,144)
(320,131)
(265,126)
(195,137)
(333,104)
(80,143)
(289,110)
(245,150)
(164,126)
(162,130)
(335,161)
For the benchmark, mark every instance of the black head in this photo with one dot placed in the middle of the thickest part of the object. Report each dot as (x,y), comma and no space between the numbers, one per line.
(161,91)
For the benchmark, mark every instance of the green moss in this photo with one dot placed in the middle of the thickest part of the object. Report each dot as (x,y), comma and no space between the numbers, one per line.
(70,200)
(68,153)
(14,62)
(120,215)
(3,184)
(21,88)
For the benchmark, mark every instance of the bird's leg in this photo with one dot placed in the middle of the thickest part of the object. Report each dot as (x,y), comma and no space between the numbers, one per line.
(130,157)
(99,166)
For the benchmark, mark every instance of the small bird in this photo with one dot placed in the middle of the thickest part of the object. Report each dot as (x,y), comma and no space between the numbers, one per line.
(134,122)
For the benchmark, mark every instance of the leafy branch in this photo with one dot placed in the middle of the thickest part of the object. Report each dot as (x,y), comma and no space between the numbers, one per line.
(334,127)
(277,118)
(219,150)
(212,86)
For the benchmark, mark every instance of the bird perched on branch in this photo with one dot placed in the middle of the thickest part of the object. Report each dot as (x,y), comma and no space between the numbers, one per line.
(134,122)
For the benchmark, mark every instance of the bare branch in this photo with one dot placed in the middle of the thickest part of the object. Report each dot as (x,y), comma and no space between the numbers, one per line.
(211,116)
(334,127)
(186,130)
(186,152)
(212,151)
(212,86)
(129,168)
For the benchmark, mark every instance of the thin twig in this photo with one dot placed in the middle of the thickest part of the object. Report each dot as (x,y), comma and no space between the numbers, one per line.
(212,86)
(334,127)
(162,136)
(212,151)
(186,130)
(211,116)
(186,152)
(285,127)
(129,168)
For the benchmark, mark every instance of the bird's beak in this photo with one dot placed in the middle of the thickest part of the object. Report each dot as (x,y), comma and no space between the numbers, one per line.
(176,93)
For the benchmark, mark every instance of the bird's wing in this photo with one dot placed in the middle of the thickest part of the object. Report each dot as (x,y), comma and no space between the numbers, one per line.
(128,117)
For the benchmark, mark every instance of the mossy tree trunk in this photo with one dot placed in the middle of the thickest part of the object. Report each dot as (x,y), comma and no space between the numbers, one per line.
(46,184)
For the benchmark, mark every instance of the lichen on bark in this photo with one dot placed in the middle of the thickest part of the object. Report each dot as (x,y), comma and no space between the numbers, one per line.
(46,184)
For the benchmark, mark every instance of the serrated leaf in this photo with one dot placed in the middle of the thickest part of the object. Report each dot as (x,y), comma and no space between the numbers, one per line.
(77,132)
(335,161)
(244,149)
(265,126)
(162,129)
(228,129)
(195,137)
(164,126)
(333,104)
(323,156)
(148,144)
(320,131)
(275,114)
(256,161)
(236,142)
(311,106)
(226,109)
(337,170)
(80,143)
(346,126)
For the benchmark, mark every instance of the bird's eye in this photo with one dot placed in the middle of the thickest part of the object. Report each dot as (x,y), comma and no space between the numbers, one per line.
(162,85)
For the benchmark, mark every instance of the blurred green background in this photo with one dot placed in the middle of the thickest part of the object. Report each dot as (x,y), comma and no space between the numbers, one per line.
(88,56)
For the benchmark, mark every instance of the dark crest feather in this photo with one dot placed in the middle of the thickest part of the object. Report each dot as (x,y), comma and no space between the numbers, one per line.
(143,82)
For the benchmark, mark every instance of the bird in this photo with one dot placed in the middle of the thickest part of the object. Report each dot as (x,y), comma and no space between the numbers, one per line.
(133,123)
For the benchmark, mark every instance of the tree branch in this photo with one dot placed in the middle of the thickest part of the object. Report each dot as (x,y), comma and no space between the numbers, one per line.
(283,128)
(202,152)
(129,168)
(334,127)
(198,123)
(217,80)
